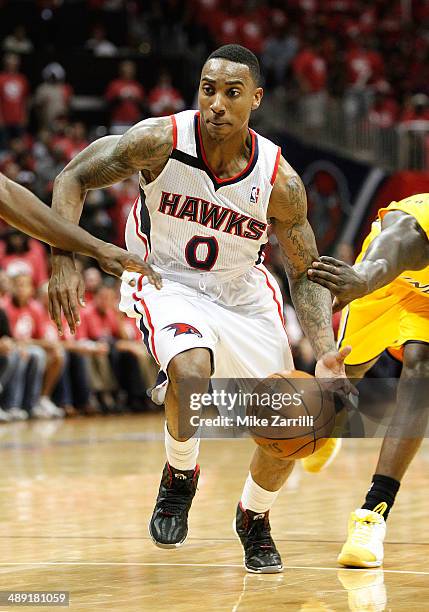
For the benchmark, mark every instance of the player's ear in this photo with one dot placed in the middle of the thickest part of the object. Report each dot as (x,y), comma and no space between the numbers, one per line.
(257,97)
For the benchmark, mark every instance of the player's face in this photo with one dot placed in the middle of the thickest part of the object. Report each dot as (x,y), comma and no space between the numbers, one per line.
(226,97)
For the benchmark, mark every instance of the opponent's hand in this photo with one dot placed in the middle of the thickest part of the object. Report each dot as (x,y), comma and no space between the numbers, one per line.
(345,282)
(115,261)
(66,292)
(331,370)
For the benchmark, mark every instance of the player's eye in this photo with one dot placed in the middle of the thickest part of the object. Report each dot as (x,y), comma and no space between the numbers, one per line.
(208,90)
(233,93)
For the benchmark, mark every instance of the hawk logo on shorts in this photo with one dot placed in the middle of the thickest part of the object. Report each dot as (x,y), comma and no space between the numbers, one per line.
(254,195)
(183,328)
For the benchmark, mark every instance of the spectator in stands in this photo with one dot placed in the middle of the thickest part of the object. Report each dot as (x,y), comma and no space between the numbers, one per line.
(10,367)
(14,91)
(73,390)
(280,48)
(384,111)
(104,323)
(96,218)
(93,280)
(99,45)
(125,96)
(52,97)
(27,325)
(18,42)
(364,67)
(18,252)
(310,71)
(164,99)
(124,194)
(416,109)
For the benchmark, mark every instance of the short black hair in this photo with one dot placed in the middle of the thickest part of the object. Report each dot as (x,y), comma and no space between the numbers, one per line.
(239,55)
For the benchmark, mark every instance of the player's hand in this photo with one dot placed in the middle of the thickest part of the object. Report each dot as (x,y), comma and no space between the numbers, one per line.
(115,261)
(331,370)
(345,282)
(66,292)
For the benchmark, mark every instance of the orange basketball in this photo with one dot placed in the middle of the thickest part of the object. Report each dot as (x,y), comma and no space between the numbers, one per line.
(291,416)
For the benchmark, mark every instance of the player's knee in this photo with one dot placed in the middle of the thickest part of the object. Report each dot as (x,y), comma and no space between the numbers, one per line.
(416,361)
(194,364)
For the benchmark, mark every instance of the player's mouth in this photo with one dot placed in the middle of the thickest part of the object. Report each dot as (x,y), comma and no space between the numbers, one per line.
(218,123)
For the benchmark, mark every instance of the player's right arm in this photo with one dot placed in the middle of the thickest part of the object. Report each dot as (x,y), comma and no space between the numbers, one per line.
(401,245)
(144,147)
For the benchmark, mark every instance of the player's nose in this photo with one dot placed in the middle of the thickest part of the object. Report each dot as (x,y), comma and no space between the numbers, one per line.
(218,106)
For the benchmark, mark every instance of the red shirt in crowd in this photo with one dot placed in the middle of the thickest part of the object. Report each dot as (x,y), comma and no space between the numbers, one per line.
(34,262)
(363,67)
(25,322)
(384,114)
(100,326)
(128,95)
(14,90)
(165,100)
(310,70)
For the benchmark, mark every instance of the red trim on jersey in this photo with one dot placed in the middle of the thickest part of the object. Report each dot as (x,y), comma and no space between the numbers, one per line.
(139,287)
(229,178)
(276,166)
(152,329)
(174,122)
(139,234)
(269,285)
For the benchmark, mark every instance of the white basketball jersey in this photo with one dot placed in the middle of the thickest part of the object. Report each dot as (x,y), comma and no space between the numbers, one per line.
(188,222)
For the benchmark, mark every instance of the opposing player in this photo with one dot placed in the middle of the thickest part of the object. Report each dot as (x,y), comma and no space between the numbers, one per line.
(385,296)
(208,187)
(24,210)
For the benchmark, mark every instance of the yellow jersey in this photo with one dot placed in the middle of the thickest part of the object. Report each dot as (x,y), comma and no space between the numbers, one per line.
(418,207)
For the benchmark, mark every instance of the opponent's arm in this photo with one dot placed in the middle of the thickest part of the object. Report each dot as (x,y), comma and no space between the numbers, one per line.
(288,213)
(401,245)
(24,210)
(146,146)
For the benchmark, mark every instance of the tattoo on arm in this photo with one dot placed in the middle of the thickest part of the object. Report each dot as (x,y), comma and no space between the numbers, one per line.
(312,302)
(146,146)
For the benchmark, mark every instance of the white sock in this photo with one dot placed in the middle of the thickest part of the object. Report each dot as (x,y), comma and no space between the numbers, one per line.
(256,498)
(181,455)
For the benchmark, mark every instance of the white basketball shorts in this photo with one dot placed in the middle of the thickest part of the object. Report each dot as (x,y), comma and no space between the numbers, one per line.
(241,324)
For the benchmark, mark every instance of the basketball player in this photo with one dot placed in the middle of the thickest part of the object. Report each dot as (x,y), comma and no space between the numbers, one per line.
(208,187)
(22,209)
(385,296)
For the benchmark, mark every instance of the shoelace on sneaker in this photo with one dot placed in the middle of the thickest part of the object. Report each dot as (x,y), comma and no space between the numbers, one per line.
(363,528)
(178,498)
(259,536)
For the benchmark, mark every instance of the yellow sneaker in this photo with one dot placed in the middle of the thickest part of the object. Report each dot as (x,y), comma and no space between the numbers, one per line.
(364,545)
(323,457)
(366,589)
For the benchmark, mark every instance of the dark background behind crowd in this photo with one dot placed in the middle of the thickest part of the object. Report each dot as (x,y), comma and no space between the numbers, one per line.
(75,70)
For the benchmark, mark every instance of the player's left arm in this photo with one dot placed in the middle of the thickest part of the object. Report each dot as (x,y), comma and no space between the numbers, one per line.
(401,245)
(288,213)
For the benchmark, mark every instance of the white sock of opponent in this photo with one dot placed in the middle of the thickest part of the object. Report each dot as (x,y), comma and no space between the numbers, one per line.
(256,498)
(181,455)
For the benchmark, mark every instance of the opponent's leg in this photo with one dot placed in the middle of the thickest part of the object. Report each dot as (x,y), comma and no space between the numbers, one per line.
(367,525)
(266,477)
(169,523)
(322,458)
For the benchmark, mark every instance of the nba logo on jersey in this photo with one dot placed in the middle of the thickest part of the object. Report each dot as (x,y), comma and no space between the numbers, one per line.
(254,195)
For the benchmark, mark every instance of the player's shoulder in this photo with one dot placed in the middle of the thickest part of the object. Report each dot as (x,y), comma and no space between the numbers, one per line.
(416,205)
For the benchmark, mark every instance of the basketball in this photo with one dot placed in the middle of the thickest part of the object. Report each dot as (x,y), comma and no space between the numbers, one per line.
(293,416)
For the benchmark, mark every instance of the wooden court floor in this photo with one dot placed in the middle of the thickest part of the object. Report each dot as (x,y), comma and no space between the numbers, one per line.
(76,498)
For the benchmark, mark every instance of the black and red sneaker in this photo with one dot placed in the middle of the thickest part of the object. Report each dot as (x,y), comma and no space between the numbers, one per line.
(168,526)
(260,553)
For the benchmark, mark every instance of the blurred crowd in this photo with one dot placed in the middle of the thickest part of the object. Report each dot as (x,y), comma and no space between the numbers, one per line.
(103,368)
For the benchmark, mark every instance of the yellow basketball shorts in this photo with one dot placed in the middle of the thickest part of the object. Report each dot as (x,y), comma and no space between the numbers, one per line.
(386,319)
